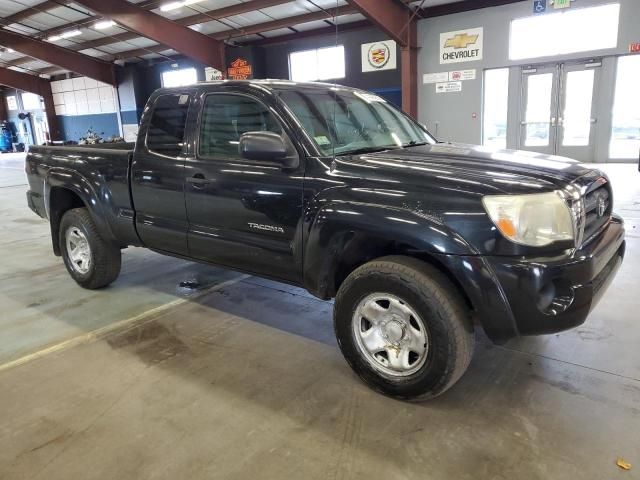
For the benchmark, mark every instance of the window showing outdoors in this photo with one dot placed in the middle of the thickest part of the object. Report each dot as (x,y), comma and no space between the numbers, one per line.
(577,108)
(494,118)
(179,78)
(538,110)
(625,135)
(564,32)
(30,101)
(320,64)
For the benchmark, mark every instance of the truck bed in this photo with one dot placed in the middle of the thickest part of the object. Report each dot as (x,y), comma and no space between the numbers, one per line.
(97,174)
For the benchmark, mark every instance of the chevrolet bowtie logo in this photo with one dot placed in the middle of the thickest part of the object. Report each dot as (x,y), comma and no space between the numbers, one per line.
(461,40)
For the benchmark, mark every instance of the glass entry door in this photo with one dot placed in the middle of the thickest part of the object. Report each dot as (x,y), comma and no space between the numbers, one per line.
(557,110)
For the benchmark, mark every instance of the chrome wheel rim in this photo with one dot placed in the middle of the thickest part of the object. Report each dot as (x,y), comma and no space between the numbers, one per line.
(390,335)
(78,250)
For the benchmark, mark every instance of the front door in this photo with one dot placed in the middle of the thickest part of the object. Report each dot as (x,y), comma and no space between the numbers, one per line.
(556,110)
(243,214)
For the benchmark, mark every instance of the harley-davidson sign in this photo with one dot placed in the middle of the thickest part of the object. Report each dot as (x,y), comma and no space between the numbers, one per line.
(240,69)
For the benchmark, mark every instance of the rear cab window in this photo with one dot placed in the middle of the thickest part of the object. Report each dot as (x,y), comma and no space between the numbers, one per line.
(165,134)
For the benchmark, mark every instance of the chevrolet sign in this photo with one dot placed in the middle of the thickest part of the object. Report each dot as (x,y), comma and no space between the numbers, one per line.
(461,46)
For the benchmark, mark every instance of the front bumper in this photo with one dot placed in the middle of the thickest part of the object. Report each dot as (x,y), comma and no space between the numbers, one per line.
(532,296)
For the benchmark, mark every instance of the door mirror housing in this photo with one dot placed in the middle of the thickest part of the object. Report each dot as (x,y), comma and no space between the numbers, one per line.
(268,147)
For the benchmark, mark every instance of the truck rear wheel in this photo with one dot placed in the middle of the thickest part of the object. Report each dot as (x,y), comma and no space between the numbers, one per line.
(90,260)
(403,327)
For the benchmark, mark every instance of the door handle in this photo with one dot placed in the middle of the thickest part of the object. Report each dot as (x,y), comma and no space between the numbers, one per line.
(198,180)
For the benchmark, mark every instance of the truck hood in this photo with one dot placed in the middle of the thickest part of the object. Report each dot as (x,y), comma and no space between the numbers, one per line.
(491,170)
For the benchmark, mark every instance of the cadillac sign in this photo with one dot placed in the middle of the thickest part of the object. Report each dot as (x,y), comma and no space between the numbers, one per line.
(461,46)
(379,56)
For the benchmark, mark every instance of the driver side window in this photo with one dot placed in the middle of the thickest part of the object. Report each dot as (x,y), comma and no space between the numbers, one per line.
(225,118)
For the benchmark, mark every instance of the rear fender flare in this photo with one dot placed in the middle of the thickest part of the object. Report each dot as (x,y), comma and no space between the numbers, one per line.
(79,185)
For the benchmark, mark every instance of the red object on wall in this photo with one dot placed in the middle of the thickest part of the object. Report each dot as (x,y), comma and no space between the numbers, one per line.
(240,69)
(634,48)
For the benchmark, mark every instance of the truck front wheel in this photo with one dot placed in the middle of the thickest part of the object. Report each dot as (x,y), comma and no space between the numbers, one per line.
(403,327)
(90,260)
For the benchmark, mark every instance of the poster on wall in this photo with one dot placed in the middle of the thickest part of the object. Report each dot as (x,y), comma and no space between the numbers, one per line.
(379,56)
(458,75)
(12,104)
(435,77)
(240,69)
(448,87)
(211,74)
(461,46)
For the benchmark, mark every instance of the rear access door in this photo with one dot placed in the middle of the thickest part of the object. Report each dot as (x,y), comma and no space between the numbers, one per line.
(157,175)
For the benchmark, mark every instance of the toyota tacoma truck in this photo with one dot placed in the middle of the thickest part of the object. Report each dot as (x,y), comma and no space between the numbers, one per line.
(334,190)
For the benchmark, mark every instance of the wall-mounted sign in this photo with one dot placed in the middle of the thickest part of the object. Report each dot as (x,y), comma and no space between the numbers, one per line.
(211,74)
(379,56)
(448,87)
(539,6)
(453,76)
(435,77)
(561,3)
(458,75)
(634,48)
(461,46)
(240,69)
(12,103)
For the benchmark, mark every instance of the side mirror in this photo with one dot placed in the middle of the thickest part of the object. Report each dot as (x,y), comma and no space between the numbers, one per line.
(268,147)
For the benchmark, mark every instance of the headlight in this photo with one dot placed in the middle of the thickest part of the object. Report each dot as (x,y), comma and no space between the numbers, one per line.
(537,220)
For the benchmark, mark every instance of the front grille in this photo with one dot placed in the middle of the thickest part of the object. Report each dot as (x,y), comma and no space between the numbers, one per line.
(598,205)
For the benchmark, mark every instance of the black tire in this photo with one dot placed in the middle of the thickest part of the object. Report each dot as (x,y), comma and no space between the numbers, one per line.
(433,297)
(105,262)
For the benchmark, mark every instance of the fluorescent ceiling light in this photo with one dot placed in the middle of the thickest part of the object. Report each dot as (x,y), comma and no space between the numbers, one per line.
(175,5)
(67,34)
(171,6)
(104,24)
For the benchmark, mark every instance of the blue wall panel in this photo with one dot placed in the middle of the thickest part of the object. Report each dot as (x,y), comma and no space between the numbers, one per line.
(76,126)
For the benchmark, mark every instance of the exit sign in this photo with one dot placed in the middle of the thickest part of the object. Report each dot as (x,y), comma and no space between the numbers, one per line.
(561,3)
(634,48)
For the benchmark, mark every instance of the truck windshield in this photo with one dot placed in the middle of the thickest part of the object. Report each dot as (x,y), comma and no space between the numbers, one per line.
(342,121)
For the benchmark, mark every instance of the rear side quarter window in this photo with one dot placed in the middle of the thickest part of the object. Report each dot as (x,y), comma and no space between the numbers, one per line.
(165,135)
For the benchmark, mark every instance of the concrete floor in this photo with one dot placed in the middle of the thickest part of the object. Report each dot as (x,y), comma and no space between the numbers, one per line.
(241,378)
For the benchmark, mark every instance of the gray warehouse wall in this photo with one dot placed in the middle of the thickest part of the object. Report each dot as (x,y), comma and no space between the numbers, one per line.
(450,115)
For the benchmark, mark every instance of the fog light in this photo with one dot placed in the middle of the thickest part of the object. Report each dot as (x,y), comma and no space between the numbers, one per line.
(554,299)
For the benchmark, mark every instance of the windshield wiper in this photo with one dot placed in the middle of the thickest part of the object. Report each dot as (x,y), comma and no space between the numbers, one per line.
(413,143)
(358,151)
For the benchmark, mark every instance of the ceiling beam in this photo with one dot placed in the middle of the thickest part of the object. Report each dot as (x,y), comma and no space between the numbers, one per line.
(229,11)
(285,22)
(462,6)
(390,16)
(204,17)
(253,29)
(72,61)
(328,30)
(33,10)
(182,39)
(39,86)
(92,19)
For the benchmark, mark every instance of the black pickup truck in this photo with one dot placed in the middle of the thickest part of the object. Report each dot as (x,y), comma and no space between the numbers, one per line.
(334,190)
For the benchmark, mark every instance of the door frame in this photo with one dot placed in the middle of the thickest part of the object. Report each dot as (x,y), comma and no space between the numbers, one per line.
(560,70)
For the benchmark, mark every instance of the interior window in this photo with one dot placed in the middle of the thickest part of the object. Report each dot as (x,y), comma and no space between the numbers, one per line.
(166,128)
(226,117)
